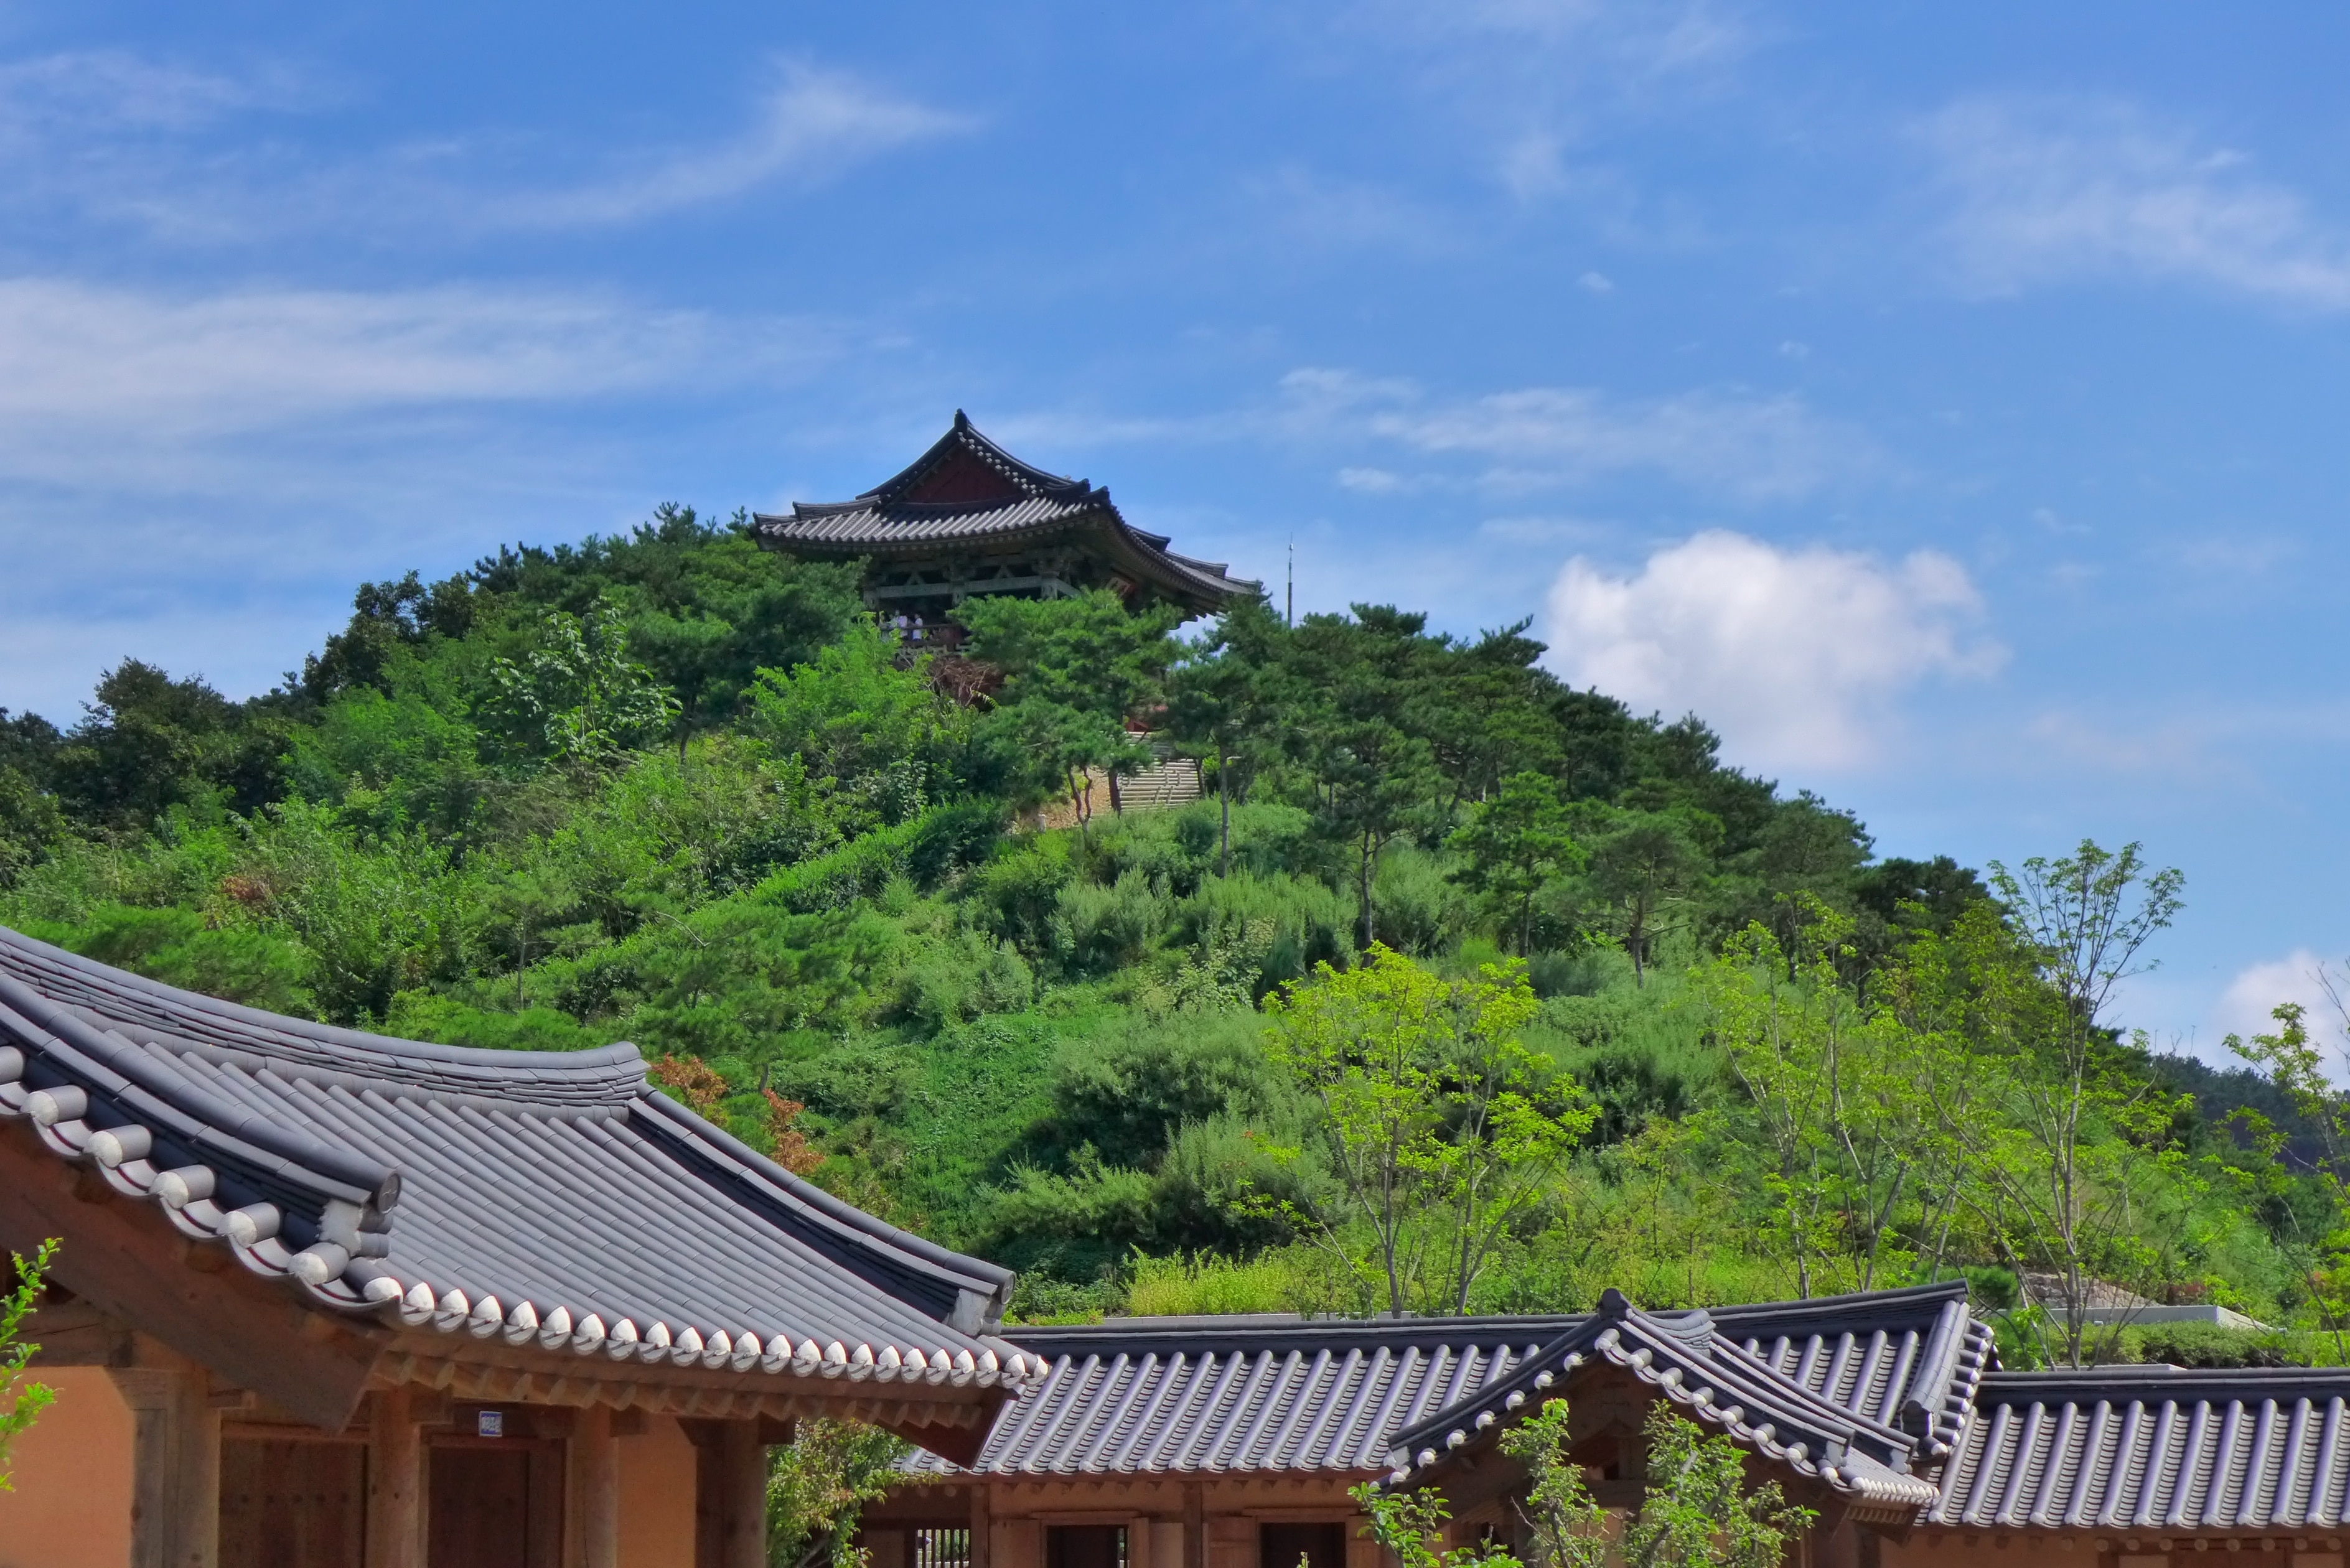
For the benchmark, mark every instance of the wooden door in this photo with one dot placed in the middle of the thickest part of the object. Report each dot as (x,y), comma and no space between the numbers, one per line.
(494,1504)
(292,1503)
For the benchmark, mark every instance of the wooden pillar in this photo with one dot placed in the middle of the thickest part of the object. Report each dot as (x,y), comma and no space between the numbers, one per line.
(395,1482)
(591,1533)
(730,1494)
(1195,1524)
(743,1481)
(983,1525)
(175,1489)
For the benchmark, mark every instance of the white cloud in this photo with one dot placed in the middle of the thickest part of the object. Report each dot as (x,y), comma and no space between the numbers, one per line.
(1795,655)
(1598,283)
(170,149)
(112,90)
(88,374)
(1727,442)
(2245,1007)
(2046,191)
(812,125)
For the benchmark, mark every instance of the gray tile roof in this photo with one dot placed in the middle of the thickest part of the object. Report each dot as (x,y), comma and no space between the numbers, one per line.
(546,1197)
(2158,1450)
(1026,504)
(1145,1395)
(1909,1359)
(1717,1382)
(1151,1396)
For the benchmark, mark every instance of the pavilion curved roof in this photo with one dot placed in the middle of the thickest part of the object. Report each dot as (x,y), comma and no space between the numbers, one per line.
(556,1203)
(966,490)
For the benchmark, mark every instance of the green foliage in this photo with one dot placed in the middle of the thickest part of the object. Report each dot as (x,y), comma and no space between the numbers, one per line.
(818,1485)
(148,742)
(1131,1093)
(1518,845)
(31,820)
(21,1402)
(2296,1067)
(577,696)
(1438,1125)
(1410,1526)
(1698,1511)
(670,787)
(1566,1525)
(878,734)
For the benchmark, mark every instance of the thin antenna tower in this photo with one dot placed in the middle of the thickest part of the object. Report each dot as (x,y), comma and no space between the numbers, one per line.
(1289,609)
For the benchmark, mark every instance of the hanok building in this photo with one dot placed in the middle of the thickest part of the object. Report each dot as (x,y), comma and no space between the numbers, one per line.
(1189,1443)
(328,1299)
(968,518)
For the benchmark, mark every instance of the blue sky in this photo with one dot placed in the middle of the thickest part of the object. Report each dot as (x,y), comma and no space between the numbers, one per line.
(1946,402)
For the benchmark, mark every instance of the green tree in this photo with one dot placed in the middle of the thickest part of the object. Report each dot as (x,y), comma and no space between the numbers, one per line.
(21,1402)
(2293,1063)
(1440,1128)
(1830,1086)
(1355,692)
(1698,1510)
(577,696)
(1644,867)
(706,608)
(1519,844)
(818,1485)
(1222,702)
(1566,1525)
(871,726)
(148,742)
(2072,1168)
(1074,672)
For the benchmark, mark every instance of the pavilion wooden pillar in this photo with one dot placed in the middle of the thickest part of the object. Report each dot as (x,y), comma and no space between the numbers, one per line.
(175,1487)
(591,1494)
(395,1482)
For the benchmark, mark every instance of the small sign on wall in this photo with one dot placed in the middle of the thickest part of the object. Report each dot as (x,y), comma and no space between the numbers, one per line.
(489,1423)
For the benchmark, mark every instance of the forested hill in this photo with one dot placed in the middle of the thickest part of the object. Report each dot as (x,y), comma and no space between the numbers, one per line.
(674,789)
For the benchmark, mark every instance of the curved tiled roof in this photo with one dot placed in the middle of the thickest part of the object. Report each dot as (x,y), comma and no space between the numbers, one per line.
(1010,501)
(1908,1358)
(543,1197)
(1284,1394)
(2155,1448)
(1144,1397)
(1716,1382)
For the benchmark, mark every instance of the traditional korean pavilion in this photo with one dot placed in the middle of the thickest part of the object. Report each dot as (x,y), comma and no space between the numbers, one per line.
(331,1299)
(968,518)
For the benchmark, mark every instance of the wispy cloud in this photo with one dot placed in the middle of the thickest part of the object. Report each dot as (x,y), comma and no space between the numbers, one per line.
(1797,656)
(812,125)
(1530,80)
(170,149)
(2044,190)
(79,91)
(91,376)
(1749,447)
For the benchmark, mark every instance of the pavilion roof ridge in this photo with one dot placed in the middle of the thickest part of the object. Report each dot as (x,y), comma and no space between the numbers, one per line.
(964,436)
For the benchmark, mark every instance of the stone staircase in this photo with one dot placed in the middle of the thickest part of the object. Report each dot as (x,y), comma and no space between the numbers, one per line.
(1168,783)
